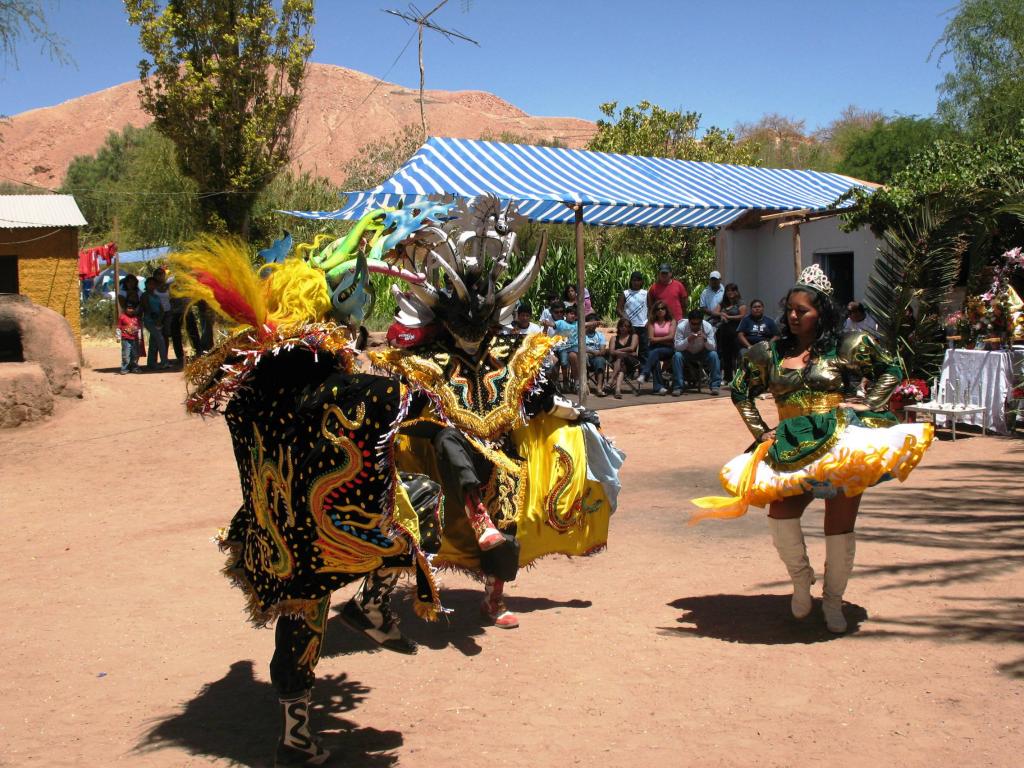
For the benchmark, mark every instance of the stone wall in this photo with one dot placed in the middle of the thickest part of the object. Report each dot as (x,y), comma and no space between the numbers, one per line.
(47,268)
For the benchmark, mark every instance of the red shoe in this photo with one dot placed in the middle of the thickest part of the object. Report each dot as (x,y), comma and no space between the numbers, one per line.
(499,615)
(489,539)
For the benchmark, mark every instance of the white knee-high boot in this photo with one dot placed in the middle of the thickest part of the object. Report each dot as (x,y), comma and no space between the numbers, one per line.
(788,538)
(839,554)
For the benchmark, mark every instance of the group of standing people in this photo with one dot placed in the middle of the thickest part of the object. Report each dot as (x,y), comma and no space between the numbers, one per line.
(713,337)
(162,316)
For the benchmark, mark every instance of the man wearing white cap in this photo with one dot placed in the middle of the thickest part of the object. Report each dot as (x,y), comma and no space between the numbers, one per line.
(711,299)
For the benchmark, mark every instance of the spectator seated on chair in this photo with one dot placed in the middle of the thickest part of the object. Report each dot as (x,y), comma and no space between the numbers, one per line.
(568,359)
(660,333)
(597,354)
(695,341)
(622,354)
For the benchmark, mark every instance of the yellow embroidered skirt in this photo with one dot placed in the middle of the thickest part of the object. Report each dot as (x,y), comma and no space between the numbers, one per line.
(544,492)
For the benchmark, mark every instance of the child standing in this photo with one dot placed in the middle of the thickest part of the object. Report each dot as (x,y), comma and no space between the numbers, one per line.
(130,331)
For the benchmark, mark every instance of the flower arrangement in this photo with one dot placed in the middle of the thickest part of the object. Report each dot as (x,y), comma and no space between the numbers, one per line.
(908,392)
(995,316)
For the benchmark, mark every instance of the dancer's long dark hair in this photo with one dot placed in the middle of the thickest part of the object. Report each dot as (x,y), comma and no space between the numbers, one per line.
(829,323)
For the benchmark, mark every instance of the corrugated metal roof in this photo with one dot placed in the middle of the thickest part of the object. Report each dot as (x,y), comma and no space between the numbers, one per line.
(30,211)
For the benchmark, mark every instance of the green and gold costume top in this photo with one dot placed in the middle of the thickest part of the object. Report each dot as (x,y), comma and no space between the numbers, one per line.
(817,388)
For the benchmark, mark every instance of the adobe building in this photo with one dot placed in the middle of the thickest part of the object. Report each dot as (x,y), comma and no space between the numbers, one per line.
(39,252)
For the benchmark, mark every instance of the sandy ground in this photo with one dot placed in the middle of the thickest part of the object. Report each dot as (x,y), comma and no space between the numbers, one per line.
(124,645)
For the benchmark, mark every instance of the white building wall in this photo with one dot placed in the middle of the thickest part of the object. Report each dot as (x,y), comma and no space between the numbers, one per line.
(760,260)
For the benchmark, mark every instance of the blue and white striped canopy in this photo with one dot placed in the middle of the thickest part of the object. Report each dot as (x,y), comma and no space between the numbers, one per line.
(615,190)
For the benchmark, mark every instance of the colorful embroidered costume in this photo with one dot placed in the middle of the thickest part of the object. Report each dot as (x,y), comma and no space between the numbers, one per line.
(531,466)
(511,458)
(818,446)
(824,445)
(322,502)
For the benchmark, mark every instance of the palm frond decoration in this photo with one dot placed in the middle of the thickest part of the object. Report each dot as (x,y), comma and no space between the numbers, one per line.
(913,276)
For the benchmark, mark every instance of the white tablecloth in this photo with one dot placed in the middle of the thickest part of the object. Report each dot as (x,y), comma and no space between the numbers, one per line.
(980,377)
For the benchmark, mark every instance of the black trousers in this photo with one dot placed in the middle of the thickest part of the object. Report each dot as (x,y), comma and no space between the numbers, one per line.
(298,644)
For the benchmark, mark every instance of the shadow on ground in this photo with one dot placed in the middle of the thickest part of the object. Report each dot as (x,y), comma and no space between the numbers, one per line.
(237,718)
(755,619)
(965,534)
(459,628)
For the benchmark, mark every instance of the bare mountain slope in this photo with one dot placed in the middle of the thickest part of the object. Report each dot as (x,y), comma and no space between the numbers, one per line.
(341,111)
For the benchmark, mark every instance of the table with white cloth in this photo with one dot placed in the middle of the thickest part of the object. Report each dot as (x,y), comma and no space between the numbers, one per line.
(981,377)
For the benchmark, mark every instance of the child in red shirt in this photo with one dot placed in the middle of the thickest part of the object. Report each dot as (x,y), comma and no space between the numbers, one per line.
(130,332)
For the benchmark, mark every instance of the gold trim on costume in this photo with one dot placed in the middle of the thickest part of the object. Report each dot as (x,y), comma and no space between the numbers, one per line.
(821,450)
(489,424)
(804,402)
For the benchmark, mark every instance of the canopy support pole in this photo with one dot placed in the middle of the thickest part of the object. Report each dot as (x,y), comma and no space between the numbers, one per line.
(797,256)
(581,321)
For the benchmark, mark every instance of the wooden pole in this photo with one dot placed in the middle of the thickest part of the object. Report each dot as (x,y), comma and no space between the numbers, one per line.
(117,272)
(423,113)
(797,256)
(581,321)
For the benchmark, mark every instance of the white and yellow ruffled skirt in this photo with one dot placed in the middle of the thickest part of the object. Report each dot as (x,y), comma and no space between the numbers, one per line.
(844,451)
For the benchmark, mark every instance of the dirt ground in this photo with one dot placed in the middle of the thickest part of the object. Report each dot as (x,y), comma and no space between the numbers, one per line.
(124,645)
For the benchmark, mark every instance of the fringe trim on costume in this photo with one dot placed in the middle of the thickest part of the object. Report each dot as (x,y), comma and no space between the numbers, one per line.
(446,566)
(259,616)
(212,381)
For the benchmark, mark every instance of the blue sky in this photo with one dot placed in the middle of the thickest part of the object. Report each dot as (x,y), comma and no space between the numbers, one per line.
(731,62)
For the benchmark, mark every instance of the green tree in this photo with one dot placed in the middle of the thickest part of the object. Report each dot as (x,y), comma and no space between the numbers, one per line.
(877,153)
(291,192)
(157,205)
(131,191)
(974,189)
(223,81)
(985,91)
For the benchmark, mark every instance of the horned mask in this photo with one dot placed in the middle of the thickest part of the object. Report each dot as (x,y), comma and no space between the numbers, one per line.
(461,264)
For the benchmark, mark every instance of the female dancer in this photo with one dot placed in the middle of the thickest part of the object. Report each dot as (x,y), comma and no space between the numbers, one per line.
(732,310)
(825,446)
(623,353)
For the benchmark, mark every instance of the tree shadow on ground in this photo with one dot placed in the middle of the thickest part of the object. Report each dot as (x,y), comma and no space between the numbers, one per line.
(998,620)
(458,627)
(237,718)
(755,620)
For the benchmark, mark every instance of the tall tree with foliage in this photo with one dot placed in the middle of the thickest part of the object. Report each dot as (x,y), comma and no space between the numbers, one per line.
(877,153)
(977,185)
(984,93)
(223,81)
(131,191)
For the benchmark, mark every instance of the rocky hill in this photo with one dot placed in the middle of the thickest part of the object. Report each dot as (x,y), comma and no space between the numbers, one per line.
(341,111)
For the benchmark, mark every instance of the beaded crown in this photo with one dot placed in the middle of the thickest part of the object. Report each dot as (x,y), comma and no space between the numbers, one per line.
(813,277)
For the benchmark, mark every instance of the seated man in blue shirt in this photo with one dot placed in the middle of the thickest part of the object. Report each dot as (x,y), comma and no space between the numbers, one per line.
(695,342)
(755,327)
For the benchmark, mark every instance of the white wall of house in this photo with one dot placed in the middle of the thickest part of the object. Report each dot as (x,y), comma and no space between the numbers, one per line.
(760,260)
